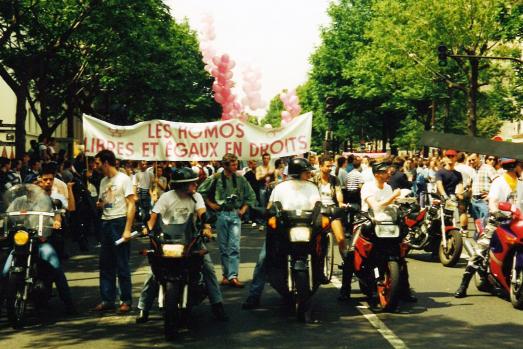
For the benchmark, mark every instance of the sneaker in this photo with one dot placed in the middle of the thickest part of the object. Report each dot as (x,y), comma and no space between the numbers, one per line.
(254,224)
(261,228)
(124,308)
(236,283)
(103,307)
(225,281)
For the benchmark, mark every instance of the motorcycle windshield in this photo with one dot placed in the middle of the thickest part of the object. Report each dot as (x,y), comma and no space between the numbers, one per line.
(32,198)
(388,214)
(178,233)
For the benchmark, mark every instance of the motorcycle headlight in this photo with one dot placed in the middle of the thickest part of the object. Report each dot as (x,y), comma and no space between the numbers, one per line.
(21,237)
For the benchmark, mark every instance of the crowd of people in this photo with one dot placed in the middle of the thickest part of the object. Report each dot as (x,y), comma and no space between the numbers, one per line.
(105,197)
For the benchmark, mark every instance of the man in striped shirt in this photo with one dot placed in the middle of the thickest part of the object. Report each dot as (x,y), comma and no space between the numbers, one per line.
(354,182)
(480,188)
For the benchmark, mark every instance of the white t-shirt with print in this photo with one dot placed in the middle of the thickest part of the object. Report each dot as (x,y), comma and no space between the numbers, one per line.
(175,209)
(296,195)
(326,194)
(113,192)
(500,191)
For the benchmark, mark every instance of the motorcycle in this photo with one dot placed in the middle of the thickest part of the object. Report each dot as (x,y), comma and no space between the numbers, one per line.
(297,245)
(379,253)
(27,226)
(176,262)
(430,233)
(503,266)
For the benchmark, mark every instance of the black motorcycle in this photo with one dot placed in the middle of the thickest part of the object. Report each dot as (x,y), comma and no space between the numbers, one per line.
(27,224)
(177,262)
(297,243)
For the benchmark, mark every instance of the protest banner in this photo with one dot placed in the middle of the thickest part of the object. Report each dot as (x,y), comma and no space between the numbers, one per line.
(159,140)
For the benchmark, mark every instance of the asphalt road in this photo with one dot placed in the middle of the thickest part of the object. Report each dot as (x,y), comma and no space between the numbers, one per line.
(437,321)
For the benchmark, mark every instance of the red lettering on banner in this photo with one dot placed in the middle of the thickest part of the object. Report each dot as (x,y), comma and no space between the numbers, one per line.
(211,131)
(233,148)
(182,132)
(276,147)
(180,152)
(253,150)
(167,131)
(229,133)
(130,148)
(149,131)
(264,148)
(214,149)
(291,139)
(145,149)
(196,135)
(302,141)
(169,149)
(239,129)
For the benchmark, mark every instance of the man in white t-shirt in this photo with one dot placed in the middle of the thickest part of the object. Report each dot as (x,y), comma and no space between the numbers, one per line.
(117,199)
(505,188)
(297,193)
(175,207)
(144,179)
(377,196)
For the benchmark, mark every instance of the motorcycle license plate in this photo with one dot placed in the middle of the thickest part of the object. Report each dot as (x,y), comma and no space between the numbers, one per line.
(300,234)
(387,231)
(173,250)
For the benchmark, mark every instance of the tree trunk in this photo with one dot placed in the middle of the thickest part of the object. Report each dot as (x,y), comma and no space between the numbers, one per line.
(21,114)
(472,96)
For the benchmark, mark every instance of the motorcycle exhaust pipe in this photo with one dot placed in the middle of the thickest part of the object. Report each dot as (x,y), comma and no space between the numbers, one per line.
(469,247)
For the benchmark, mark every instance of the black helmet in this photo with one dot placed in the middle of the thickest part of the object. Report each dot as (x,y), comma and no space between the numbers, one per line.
(299,165)
(380,167)
(182,176)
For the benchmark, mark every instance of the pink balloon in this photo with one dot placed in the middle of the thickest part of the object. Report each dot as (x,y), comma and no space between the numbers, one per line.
(243,117)
(225,93)
(216,60)
(228,75)
(215,72)
(237,106)
(218,98)
(221,80)
(226,108)
(293,100)
(226,117)
(225,58)
(232,64)
(229,84)
(253,105)
(222,68)
(285,114)
(217,88)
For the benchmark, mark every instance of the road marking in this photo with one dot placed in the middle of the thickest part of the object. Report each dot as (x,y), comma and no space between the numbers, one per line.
(373,319)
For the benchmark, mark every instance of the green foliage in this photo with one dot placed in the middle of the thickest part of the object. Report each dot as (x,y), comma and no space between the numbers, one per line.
(378,60)
(273,115)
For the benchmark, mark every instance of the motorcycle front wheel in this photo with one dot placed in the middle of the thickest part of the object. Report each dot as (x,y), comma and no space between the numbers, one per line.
(449,256)
(516,288)
(15,303)
(388,287)
(301,283)
(172,300)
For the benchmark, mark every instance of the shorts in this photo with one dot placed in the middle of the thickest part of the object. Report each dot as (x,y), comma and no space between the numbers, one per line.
(464,205)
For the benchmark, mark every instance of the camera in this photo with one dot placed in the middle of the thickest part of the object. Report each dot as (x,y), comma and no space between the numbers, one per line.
(230,202)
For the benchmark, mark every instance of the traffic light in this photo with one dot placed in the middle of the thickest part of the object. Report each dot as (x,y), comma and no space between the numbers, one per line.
(442,55)
(330,105)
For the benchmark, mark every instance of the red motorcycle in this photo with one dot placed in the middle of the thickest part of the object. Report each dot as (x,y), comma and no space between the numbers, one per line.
(379,254)
(504,263)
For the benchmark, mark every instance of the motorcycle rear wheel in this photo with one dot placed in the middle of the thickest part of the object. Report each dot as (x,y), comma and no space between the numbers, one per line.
(172,309)
(388,288)
(15,304)
(516,289)
(449,256)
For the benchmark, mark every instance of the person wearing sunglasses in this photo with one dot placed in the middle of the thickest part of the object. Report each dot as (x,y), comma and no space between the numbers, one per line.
(480,188)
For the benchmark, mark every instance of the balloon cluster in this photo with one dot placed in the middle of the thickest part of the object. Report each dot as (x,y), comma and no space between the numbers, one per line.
(251,87)
(291,104)
(223,85)
(207,36)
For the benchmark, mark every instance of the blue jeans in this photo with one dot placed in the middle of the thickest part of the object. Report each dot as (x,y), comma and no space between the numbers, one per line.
(479,210)
(258,277)
(114,260)
(151,287)
(48,254)
(228,225)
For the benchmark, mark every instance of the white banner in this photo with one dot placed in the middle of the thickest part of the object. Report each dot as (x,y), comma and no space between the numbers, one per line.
(159,140)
